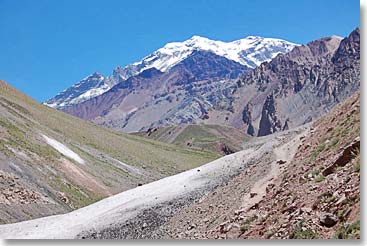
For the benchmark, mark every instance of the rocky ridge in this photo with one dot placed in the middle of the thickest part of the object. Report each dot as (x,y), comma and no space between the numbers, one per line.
(294,88)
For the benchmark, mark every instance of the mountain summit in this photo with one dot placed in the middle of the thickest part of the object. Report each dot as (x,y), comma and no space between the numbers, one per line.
(290,90)
(250,52)
(89,87)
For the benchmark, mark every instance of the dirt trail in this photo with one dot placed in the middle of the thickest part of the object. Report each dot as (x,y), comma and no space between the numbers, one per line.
(140,212)
(283,155)
(207,217)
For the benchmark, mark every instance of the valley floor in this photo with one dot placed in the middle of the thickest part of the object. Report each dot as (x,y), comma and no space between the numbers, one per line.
(147,211)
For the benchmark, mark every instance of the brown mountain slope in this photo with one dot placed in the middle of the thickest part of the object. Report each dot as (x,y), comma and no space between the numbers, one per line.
(290,90)
(314,195)
(152,98)
(294,88)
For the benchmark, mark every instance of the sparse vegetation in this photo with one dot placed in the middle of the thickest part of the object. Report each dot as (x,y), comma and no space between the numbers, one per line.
(78,196)
(314,173)
(327,198)
(246,224)
(20,139)
(244,228)
(214,219)
(300,232)
(319,178)
(348,231)
(334,142)
(317,151)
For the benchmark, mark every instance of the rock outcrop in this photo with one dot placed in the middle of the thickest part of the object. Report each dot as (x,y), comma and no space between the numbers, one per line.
(295,88)
(247,119)
(269,122)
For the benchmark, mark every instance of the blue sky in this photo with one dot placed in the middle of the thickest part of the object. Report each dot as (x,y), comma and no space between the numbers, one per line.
(48,45)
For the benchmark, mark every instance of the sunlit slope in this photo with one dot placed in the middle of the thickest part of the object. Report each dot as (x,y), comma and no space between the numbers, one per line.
(216,138)
(39,178)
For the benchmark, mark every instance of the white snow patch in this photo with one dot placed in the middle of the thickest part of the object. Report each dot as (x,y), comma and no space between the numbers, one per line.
(63,149)
(51,105)
(94,92)
(250,51)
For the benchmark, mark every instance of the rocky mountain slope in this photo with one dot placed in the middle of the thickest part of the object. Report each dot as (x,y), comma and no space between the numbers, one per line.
(290,90)
(153,98)
(294,88)
(51,162)
(249,52)
(314,195)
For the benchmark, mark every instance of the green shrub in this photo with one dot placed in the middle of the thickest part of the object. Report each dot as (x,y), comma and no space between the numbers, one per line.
(244,228)
(319,178)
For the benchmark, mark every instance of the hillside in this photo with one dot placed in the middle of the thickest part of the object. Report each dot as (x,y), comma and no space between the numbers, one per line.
(153,98)
(293,88)
(52,162)
(301,183)
(314,195)
(141,212)
(220,139)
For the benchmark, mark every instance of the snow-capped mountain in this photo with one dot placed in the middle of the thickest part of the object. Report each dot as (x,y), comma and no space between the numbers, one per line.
(250,52)
(89,87)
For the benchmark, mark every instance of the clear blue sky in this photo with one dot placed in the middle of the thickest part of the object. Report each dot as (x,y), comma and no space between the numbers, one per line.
(47,45)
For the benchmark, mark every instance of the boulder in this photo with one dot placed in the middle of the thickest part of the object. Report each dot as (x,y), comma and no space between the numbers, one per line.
(345,156)
(328,219)
(252,194)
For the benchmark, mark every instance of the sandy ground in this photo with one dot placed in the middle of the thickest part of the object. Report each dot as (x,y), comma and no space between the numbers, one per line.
(138,212)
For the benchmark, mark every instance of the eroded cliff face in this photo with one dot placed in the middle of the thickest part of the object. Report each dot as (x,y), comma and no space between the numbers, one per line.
(269,122)
(247,119)
(297,87)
